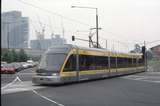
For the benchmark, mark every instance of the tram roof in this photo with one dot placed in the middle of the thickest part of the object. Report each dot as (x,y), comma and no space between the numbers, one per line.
(67,47)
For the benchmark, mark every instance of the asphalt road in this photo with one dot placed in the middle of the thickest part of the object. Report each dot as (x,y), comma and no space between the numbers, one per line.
(134,90)
(25,75)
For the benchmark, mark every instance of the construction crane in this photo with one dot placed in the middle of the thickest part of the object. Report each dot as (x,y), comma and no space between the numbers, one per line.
(40,34)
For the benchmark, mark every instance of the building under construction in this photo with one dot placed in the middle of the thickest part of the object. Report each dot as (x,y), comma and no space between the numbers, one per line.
(43,43)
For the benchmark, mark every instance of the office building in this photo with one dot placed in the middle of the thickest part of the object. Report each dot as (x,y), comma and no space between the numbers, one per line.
(14,30)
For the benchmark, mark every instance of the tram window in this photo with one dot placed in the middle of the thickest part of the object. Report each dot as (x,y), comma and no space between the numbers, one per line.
(90,62)
(125,62)
(130,62)
(112,62)
(140,62)
(82,62)
(87,62)
(122,62)
(134,62)
(71,64)
(100,62)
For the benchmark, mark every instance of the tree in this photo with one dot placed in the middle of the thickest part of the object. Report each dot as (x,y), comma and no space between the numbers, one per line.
(14,56)
(137,49)
(22,55)
(5,56)
(149,54)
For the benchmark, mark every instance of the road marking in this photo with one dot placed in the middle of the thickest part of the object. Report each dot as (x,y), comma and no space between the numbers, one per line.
(20,87)
(153,79)
(9,83)
(23,86)
(44,97)
(26,73)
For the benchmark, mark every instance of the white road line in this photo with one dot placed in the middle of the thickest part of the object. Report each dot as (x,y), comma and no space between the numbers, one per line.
(19,79)
(139,78)
(142,78)
(9,83)
(150,81)
(20,87)
(44,97)
(26,73)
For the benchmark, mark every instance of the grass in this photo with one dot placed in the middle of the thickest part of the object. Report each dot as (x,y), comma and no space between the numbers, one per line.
(155,64)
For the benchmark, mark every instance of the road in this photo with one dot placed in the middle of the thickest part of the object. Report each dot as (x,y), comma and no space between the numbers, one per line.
(25,75)
(141,89)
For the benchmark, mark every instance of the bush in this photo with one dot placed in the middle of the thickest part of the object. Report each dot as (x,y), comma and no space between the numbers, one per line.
(13,56)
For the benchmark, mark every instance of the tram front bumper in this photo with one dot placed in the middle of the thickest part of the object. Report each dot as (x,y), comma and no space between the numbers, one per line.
(46,80)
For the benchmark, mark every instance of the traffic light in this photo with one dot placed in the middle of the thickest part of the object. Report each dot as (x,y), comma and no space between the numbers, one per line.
(143,49)
(144,54)
(73,38)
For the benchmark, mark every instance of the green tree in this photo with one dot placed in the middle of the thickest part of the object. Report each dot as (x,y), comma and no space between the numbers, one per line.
(10,57)
(22,55)
(149,54)
(137,49)
(14,56)
(5,56)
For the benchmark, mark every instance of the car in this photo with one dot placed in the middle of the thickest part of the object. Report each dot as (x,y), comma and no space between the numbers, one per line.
(18,67)
(8,70)
(29,61)
(25,66)
(3,63)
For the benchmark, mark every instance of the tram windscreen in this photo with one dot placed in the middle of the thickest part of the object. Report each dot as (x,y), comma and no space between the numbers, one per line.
(52,62)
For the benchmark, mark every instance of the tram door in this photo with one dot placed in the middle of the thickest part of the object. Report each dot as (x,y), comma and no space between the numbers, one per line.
(113,66)
(77,64)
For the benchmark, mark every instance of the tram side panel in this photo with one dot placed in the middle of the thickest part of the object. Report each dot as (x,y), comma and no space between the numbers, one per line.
(94,67)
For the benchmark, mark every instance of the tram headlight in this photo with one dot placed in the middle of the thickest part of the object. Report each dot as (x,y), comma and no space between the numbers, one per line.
(55,74)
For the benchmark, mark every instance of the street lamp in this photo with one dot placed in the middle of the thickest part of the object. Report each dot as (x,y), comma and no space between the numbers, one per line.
(96,19)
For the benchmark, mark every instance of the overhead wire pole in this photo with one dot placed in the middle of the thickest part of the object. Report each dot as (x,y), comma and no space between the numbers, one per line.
(106,44)
(96,20)
(145,56)
(97,26)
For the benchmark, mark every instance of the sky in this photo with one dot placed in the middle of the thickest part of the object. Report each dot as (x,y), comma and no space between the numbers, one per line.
(127,21)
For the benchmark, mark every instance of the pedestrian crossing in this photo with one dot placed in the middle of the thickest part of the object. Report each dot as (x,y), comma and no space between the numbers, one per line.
(19,86)
(147,77)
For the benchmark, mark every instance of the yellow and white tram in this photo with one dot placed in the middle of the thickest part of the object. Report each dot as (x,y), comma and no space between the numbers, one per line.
(69,63)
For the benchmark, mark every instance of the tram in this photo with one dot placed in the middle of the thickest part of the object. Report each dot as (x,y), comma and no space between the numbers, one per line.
(70,63)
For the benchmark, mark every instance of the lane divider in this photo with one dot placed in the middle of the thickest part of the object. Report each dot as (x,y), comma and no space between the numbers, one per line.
(44,97)
(10,83)
(7,85)
(34,91)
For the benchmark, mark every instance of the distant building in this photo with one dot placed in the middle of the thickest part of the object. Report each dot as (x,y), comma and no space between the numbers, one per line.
(14,30)
(156,51)
(44,44)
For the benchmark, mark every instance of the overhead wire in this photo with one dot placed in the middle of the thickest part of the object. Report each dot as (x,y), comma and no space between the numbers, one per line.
(73,20)
(53,13)
(57,14)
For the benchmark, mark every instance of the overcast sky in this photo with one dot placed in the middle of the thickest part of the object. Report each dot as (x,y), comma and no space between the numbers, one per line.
(122,20)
